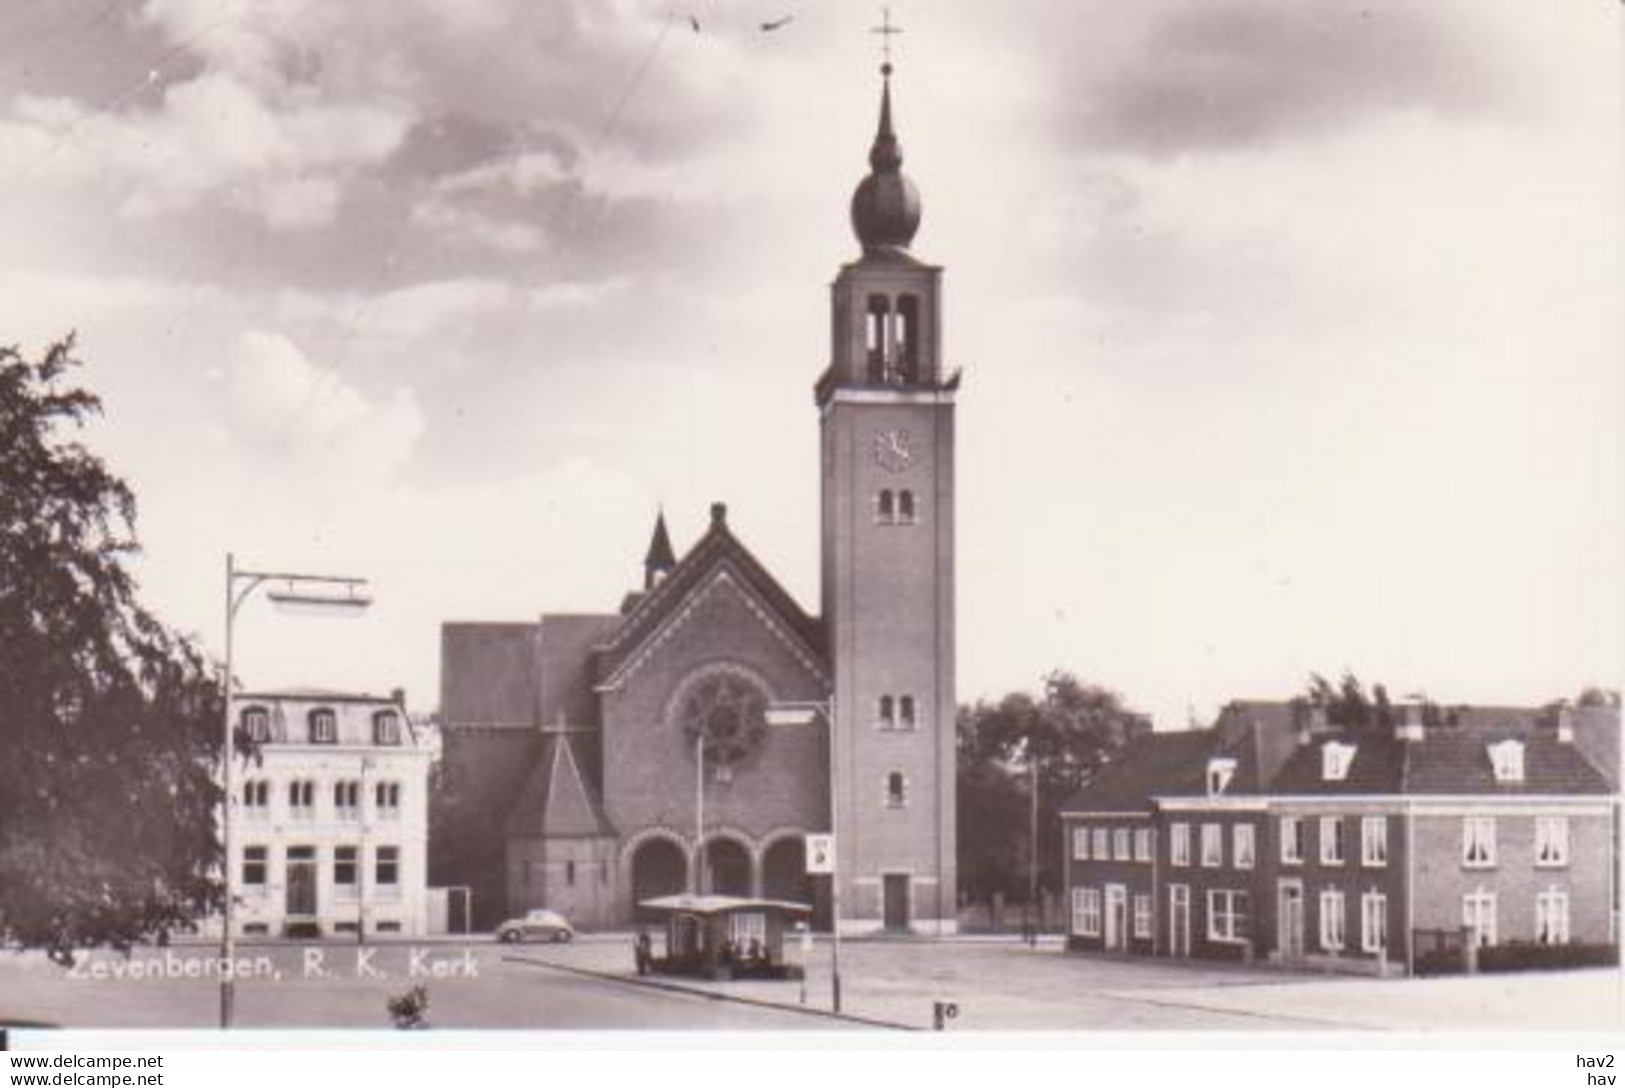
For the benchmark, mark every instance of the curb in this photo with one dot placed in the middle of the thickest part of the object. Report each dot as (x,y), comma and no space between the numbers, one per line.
(679,988)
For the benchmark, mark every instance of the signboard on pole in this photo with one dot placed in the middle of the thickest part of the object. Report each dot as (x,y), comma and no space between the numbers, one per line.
(820,853)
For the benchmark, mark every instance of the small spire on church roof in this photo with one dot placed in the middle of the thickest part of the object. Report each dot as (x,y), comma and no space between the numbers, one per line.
(661,559)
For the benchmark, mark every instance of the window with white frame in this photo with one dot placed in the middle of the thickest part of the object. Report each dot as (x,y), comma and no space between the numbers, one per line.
(387,868)
(1086,912)
(386,728)
(1506,759)
(386,798)
(1478,842)
(1121,844)
(346,866)
(302,800)
(1219,773)
(347,800)
(1374,841)
(1142,916)
(324,726)
(1373,922)
(255,860)
(1478,915)
(1101,841)
(256,724)
(1242,846)
(1212,846)
(1331,840)
(1226,915)
(1551,841)
(1291,840)
(1331,920)
(1552,916)
(1080,844)
(1179,844)
(1335,760)
(1142,844)
(257,798)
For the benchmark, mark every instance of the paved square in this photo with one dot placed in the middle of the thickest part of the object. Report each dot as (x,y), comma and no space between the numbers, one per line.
(591,985)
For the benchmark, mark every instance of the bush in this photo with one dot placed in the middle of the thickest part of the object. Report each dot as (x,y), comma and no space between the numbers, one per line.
(1546,957)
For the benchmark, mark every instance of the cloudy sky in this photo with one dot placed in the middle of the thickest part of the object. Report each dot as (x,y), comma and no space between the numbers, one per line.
(1291,331)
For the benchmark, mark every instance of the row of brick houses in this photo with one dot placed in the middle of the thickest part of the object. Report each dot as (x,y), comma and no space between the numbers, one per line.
(1273,835)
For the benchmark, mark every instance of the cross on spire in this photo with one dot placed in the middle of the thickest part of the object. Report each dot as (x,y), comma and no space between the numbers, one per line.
(885,30)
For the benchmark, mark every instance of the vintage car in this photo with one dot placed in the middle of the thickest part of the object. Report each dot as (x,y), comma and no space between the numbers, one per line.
(536,925)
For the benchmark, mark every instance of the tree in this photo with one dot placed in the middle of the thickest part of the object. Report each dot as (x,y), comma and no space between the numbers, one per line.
(1070,728)
(108,721)
(1349,707)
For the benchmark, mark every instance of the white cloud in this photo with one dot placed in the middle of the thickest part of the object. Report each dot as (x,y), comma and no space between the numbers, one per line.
(306,420)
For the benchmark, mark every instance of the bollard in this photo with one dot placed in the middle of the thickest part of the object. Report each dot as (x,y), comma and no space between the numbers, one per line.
(941,1013)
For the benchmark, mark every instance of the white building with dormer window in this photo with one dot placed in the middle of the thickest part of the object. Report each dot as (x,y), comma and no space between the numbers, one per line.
(330,816)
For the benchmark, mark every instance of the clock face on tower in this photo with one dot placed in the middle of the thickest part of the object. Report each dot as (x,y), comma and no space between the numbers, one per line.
(893,451)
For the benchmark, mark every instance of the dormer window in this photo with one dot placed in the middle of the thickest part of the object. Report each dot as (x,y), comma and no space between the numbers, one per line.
(1507,760)
(257,724)
(1335,759)
(386,728)
(1219,774)
(324,726)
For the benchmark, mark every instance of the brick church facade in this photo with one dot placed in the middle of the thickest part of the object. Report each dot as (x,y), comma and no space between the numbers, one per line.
(580,751)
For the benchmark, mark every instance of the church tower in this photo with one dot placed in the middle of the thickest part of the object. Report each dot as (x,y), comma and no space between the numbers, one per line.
(887,432)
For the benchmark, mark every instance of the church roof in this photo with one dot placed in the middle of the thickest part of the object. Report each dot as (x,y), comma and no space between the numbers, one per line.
(556,801)
(717,549)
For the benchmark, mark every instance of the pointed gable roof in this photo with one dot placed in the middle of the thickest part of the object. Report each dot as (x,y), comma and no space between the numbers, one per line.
(556,800)
(717,555)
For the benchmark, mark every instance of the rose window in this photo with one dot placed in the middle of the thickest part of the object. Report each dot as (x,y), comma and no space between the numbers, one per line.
(728,711)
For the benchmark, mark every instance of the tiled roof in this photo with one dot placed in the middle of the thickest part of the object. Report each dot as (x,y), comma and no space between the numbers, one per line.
(1448,760)
(1454,761)
(1378,766)
(1154,764)
(556,800)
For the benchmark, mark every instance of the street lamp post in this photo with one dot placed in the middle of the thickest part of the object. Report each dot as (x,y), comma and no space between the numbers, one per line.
(803,712)
(699,813)
(240,584)
(1032,856)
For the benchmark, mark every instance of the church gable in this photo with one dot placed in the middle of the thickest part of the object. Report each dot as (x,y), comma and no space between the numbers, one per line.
(718,564)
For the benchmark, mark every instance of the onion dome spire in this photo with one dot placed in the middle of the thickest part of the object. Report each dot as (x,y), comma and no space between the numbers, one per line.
(886,205)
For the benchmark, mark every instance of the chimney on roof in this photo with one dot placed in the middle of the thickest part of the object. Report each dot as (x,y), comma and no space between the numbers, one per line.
(719,513)
(1410,722)
(1565,723)
(1312,720)
(398,697)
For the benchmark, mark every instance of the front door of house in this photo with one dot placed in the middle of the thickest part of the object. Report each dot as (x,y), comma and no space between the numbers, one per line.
(1179,920)
(895,887)
(1116,916)
(1290,936)
(301,882)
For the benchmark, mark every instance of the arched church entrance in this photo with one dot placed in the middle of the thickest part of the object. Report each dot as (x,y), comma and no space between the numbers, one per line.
(727,867)
(784,876)
(658,868)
